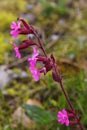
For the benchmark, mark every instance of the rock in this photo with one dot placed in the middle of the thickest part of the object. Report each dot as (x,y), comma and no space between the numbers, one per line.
(7,75)
(20,117)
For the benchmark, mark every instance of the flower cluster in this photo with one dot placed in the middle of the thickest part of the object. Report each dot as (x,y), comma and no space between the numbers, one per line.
(17,29)
(64,117)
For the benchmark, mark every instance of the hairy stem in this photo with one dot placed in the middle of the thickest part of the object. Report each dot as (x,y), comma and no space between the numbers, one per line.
(66,96)
(59,81)
(61,84)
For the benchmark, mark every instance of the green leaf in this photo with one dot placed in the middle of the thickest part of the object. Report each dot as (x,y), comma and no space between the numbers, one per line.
(39,115)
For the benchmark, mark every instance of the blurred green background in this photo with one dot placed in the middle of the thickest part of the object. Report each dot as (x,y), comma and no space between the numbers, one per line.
(62,26)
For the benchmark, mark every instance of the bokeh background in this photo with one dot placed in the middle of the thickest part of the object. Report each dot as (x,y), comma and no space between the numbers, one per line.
(62,26)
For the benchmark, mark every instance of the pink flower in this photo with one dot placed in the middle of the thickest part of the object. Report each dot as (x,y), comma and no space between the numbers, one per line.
(34,58)
(36,53)
(18,55)
(16,50)
(63,117)
(34,71)
(15,26)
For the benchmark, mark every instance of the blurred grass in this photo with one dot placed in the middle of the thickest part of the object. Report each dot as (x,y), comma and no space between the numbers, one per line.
(69,22)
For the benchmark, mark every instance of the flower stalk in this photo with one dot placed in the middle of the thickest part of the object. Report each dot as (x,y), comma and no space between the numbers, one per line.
(49,64)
